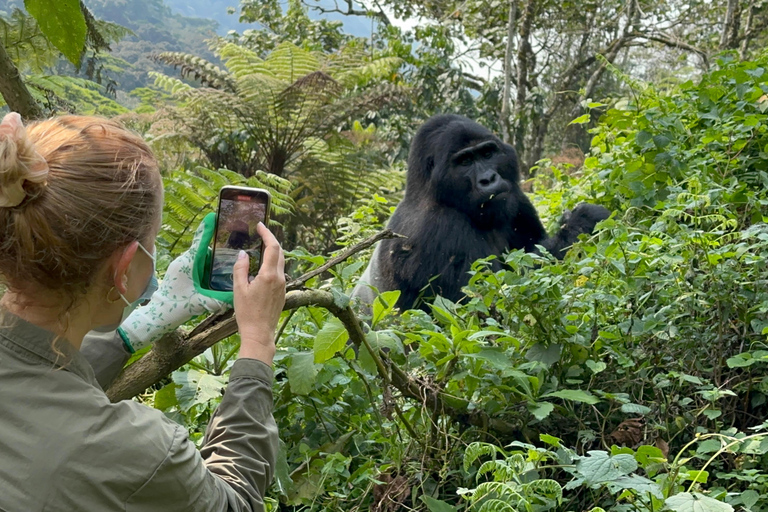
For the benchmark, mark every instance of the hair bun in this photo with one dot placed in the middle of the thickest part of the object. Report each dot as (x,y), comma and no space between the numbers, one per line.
(20,163)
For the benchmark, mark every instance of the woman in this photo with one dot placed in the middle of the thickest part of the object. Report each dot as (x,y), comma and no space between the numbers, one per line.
(80,207)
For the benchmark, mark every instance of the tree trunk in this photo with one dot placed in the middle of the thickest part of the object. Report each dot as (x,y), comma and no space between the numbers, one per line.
(14,91)
(729,35)
(505,128)
(747,31)
(523,51)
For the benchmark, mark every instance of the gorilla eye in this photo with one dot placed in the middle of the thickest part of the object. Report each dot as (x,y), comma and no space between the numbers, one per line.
(464,159)
(487,152)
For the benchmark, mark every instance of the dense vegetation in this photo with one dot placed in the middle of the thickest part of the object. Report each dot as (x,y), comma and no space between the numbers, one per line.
(633,375)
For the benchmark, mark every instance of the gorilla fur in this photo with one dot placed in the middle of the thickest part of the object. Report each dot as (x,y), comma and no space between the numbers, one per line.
(462,202)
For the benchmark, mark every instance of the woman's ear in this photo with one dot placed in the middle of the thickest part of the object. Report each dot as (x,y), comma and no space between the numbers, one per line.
(122,259)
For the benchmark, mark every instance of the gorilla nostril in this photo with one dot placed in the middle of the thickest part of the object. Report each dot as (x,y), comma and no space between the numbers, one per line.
(488,180)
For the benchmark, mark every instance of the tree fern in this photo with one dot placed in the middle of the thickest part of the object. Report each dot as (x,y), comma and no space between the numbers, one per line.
(190,195)
(282,115)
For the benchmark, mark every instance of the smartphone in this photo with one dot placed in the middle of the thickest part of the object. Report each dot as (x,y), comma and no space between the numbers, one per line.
(240,211)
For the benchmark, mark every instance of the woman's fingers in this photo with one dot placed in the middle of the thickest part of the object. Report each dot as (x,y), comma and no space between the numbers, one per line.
(240,271)
(273,259)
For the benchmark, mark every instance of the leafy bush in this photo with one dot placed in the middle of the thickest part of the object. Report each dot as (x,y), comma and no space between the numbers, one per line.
(661,314)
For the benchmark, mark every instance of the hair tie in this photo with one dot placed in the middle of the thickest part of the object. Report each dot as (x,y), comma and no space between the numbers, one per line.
(36,167)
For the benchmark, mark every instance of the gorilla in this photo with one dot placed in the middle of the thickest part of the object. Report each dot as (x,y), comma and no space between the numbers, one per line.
(462,202)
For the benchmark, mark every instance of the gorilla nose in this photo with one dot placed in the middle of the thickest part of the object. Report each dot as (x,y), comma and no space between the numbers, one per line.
(489,182)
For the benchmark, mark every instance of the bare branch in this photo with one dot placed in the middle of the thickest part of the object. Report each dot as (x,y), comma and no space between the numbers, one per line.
(673,42)
(381,235)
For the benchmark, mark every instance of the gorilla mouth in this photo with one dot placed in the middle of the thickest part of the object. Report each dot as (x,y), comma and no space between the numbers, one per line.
(488,201)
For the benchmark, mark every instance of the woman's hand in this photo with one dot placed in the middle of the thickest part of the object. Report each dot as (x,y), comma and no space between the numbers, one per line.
(258,303)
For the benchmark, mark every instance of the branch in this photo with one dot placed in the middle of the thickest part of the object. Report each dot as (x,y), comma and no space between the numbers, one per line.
(351,11)
(381,235)
(674,43)
(176,349)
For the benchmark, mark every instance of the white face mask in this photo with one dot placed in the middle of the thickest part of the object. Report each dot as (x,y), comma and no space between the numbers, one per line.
(146,295)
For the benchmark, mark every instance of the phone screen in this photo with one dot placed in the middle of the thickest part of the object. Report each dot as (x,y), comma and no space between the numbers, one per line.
(240,211)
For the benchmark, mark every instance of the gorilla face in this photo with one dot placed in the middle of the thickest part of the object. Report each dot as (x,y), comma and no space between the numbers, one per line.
(474,172)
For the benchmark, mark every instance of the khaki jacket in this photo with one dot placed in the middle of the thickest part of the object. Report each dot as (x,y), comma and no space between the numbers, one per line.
(65,447)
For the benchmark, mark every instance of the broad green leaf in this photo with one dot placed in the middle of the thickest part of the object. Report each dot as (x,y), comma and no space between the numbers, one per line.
(547,354)
(331,339)
(596,367)
(378,340)
(437,505)
(63,24)
(196,387)
(540,410)
(575,395)
(635,409)
(749,497)
(383,305)
(302,372)
(696,502)
(493,356)
(638,484)
(283,470)
(709,446)
(600,468)
(165,398)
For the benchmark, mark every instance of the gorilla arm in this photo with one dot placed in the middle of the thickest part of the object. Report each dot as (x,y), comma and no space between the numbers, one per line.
(582,220)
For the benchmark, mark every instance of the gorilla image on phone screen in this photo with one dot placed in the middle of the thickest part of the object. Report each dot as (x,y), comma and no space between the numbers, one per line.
(239,214)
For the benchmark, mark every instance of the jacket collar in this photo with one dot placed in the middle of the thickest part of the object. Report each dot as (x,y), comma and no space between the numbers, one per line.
(35,342)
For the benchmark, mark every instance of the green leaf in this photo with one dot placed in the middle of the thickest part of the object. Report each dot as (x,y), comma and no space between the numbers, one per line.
(302,372)
(166,397)
(331,339)
(635,409)
(383,305)
(196,387)
(749,498)
(696,502)
(638,484)
(581,119)
(596,367)
(550,440)
(495,356)
(575,395)
(540,410)
(437,505)
(600,468)
(548,355)
(63,23)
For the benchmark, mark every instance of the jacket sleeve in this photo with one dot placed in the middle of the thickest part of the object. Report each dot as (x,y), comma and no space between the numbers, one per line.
(107,354)
(235,466)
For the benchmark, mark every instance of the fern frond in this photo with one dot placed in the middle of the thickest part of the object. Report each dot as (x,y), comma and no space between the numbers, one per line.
(476,450)
(374,71)
(496,506)
(169,84)
(289,62)
(241,61)
(546,488)
(198,68)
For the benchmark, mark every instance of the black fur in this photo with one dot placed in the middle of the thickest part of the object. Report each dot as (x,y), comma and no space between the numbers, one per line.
(462,202)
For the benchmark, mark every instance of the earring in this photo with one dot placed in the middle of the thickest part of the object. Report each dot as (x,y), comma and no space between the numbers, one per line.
(110,292)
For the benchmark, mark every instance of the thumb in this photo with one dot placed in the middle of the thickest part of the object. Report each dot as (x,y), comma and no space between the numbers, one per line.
(240,272)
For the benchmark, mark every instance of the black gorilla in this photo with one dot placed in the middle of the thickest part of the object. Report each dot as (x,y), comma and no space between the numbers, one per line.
(462,202)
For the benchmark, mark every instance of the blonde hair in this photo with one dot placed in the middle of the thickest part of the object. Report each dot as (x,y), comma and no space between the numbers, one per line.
(102,190)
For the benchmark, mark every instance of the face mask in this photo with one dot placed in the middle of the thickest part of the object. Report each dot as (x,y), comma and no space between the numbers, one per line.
(145,296)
